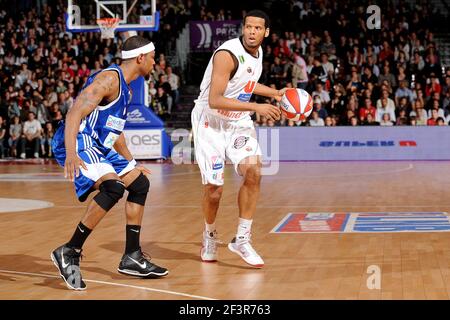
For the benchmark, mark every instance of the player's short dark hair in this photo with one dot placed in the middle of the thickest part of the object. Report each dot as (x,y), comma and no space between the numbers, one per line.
(134,42)
(259,14)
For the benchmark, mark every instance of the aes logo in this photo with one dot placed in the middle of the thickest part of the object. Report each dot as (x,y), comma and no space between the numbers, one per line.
(374,20)
(145,139)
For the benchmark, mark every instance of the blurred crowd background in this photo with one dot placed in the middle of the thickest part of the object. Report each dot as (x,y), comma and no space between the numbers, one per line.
(393,76)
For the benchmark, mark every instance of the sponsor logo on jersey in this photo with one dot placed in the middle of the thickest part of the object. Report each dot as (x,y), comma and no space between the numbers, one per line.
(115,123)
(217,163)
(241,59)
(250,86)
(110,140)
(231,114)
(218,176)
(240,142)
(244,97)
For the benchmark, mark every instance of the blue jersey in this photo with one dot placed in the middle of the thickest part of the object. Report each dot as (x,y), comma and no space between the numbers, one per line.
(106,123)
(96,136)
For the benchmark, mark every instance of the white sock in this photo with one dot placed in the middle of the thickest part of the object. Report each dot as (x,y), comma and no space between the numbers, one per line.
(244,227)
(210,228)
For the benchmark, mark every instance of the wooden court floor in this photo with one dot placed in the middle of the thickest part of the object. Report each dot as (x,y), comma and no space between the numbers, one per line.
(298,265)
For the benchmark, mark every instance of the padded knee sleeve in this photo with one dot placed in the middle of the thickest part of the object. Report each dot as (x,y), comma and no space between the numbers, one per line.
(138,190)
(111,191)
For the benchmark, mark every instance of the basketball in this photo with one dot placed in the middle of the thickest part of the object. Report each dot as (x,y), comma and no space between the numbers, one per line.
(296,104)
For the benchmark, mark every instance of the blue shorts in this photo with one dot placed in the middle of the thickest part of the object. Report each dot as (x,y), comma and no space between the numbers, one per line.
(98,159)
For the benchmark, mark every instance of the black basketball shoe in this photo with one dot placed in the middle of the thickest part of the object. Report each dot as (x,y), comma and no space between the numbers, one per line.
(138,264)
(67,260)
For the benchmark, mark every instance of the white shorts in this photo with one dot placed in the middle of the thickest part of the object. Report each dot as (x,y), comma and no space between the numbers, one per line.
(215,139)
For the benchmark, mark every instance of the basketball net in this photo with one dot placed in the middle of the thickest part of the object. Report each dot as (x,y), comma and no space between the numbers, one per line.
(108,26)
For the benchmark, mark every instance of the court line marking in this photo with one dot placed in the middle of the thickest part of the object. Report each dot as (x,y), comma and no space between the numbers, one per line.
(18,205)
(281,222)
(333,206)
(112,284)
(409,167)
(4,177)
(58,177)
(284,206)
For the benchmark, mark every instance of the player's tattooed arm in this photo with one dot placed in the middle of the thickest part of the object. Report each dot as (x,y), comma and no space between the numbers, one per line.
(104,87)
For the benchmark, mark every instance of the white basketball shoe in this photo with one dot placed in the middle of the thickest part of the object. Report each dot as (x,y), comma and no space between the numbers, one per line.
(208,252)
(242,247)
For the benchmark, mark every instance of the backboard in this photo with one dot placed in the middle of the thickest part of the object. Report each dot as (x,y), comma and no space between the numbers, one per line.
(134,15)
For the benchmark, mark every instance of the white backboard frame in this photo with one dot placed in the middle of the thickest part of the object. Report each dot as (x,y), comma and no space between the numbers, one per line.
(73,14)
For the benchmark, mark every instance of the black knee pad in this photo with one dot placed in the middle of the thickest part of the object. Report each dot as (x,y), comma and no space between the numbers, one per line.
(111,191)
(138,190)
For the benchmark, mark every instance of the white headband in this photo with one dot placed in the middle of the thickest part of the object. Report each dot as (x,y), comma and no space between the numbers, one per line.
(136,52)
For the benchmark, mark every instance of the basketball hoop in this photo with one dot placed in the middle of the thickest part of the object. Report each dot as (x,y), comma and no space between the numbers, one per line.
(108,26)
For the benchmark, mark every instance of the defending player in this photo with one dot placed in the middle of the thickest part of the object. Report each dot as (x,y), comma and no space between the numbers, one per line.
(83,146)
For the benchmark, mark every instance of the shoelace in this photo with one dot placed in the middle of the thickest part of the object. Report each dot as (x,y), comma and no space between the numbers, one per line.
(211,243)
(75,257)
(145,257)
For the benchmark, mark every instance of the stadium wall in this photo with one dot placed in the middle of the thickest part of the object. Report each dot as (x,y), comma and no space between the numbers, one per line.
(355,143)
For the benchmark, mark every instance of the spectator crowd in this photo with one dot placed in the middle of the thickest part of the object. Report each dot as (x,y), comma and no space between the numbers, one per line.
(43,67)
(358,76)
(355,75)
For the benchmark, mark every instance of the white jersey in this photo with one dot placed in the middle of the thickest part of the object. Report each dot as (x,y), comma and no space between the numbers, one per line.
(240,86)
